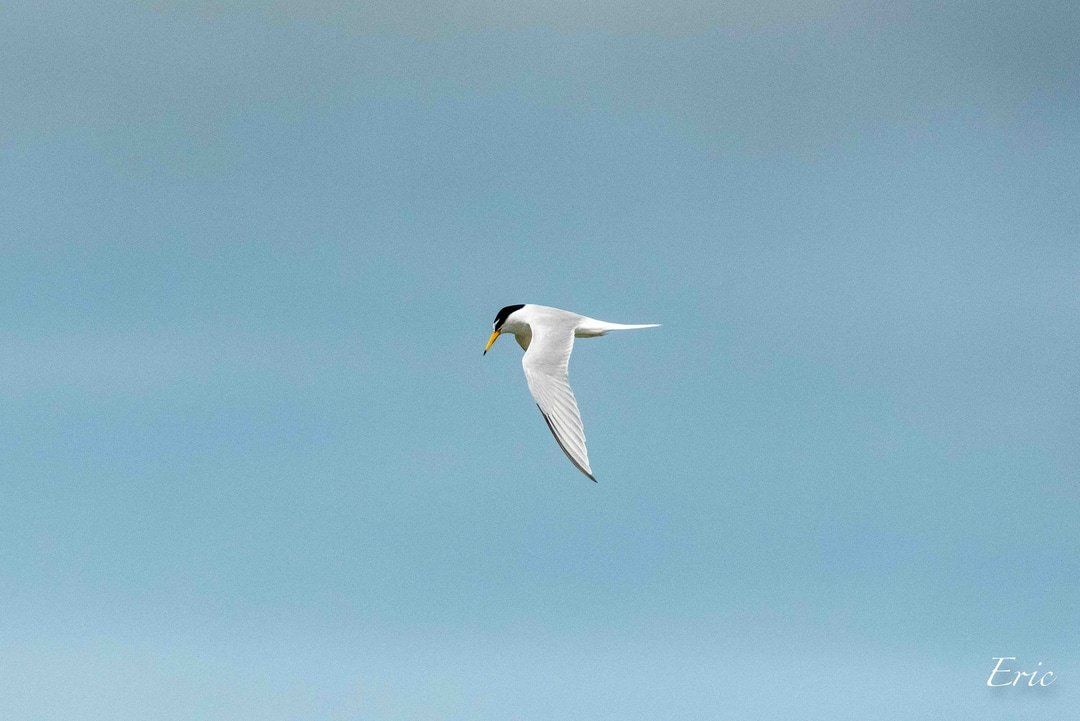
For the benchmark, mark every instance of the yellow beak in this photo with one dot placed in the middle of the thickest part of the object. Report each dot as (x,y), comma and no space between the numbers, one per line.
(491,340)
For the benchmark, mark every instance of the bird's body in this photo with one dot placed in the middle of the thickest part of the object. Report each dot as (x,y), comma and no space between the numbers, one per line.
(547,336)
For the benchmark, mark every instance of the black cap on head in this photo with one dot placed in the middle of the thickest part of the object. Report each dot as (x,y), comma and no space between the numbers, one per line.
(501,316)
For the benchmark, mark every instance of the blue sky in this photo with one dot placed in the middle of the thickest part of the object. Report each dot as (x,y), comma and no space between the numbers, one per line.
(254,466)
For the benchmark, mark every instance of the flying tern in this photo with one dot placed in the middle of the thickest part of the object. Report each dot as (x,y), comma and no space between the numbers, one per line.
(547,337)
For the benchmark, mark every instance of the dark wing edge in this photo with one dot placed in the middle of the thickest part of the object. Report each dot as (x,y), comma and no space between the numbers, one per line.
(558,440)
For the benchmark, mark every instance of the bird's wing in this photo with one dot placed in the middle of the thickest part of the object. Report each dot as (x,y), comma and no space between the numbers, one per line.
(545,364)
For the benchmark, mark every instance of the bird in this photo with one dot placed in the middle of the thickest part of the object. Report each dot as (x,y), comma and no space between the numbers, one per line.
(547,336)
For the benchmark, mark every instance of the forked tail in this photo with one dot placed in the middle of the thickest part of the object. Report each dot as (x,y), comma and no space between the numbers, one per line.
(591,327)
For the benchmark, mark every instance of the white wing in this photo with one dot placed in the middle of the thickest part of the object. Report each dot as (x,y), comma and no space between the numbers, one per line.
(545,364)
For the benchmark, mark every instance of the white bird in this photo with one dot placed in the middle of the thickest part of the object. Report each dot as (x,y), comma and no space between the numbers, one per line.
(547,336)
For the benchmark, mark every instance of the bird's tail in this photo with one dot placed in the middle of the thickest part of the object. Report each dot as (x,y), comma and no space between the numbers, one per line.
(624,326)
(592,327)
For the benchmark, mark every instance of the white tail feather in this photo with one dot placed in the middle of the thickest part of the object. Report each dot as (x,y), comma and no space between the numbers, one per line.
(590,327)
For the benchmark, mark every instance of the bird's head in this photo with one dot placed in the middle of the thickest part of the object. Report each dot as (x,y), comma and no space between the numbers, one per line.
(504,321)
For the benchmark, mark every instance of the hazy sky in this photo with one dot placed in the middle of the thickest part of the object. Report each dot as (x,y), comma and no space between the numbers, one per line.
(253,466)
